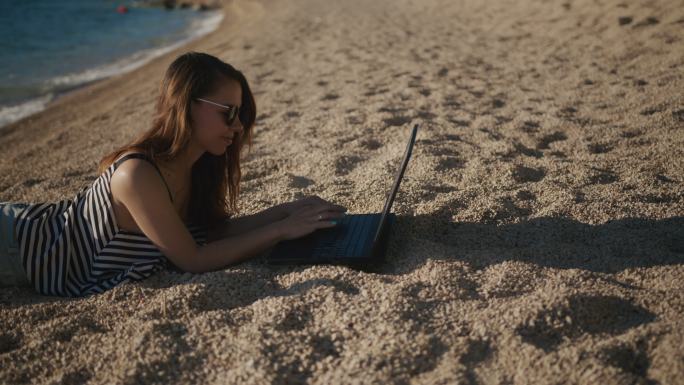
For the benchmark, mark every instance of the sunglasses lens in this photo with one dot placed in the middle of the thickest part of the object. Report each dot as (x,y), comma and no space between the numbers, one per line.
(230,116)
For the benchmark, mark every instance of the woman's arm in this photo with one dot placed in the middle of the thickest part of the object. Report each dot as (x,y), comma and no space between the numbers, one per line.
(302,218)
(220,253)
(241,225)
(235,226)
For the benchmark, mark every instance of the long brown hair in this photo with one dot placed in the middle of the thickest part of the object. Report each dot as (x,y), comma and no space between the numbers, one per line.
(194,75)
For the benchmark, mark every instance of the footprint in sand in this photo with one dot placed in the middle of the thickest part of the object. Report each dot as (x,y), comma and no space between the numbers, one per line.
(498,103)
(491,133)
(170,341)
(522,174)
(631,360)
(287,367)
(65,333)
(264,75)
(371,144)
(430,191)
(602,176)
(292,114)
(458,122)
(678,115)
(263,116)
(476,93)
(631,133)
(652,110)
(415,84)
(324,346)
(57,142)
(624,20)
(297,318)
(520,149)
(78,376)
(599,148)
(355,119)
(529,126)
(10,341)
(375,91)
(477,352)
(396,121)
(425,91)
(392,109)
(265,168)
(505,209)
(656,198)
(73,173)
(525,195)
(32,182)
(400,74)
(546,140)
(582,314)
(510,279)
(451,101)
(345,164)
(569,110)
(447,163)
(330,96)
(444,150)
(647,22)
(426,115)
(299,181)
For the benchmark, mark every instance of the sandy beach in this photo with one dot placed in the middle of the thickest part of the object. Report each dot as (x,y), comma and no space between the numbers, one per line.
(540,223)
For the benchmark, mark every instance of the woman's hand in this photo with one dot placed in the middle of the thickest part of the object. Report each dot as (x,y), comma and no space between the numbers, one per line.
(306,215)
(311,201)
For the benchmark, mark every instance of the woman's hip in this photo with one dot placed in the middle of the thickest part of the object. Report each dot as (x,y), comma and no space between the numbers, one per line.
(11,269)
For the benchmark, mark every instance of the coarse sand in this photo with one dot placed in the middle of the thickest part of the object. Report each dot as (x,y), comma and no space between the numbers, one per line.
(540,230)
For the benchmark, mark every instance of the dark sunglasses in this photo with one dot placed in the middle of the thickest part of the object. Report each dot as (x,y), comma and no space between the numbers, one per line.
(231,113)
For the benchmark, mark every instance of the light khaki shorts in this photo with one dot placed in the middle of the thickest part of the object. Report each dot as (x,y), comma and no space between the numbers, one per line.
(11,269)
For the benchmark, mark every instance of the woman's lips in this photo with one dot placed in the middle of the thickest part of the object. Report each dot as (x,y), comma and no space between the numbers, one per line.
(228,140)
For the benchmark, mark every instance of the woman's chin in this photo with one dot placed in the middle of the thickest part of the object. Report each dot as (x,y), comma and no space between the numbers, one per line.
(217,152)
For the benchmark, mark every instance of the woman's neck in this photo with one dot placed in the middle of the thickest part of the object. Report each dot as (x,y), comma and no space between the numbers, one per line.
(181,166)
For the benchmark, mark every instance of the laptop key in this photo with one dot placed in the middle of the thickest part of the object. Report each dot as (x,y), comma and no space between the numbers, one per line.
(347,241)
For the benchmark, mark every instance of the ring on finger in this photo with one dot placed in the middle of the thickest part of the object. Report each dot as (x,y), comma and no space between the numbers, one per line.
(320,217)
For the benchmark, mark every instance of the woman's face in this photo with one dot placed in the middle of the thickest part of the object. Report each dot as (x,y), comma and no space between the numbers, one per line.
(210,130)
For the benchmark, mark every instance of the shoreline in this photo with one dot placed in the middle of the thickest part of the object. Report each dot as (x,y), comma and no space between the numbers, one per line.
(73,116)
(212,20)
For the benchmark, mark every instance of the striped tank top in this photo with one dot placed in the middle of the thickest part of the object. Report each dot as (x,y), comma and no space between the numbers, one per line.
(74,247)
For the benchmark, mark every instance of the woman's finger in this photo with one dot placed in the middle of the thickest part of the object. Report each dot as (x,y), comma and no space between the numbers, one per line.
(339,208)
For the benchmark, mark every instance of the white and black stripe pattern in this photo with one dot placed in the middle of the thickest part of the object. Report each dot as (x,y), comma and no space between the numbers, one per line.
(74,248)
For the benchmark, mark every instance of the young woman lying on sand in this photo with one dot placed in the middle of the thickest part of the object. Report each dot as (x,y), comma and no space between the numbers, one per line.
(160,201)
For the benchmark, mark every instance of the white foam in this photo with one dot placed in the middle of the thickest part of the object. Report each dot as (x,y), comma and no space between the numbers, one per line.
(9,114)
(196,29)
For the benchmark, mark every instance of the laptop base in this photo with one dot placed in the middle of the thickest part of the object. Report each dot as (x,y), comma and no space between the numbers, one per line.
(314,248)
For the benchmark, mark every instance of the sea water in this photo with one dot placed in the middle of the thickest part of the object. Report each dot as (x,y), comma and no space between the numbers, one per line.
(48,47)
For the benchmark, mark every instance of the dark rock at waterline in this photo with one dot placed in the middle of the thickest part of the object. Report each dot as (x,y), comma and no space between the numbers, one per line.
(198,5)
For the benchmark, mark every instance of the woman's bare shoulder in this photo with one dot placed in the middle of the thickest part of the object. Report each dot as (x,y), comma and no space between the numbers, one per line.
(133,176)
(128,152)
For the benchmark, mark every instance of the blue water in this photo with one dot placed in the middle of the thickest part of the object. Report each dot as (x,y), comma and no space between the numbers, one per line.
(49,46)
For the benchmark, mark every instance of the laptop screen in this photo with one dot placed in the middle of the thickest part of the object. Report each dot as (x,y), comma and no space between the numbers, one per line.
(397,180)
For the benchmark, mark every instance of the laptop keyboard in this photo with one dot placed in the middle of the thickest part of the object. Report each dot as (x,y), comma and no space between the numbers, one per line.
(345,238)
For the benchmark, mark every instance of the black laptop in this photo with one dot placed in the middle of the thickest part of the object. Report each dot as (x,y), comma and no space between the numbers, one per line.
(356,239)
